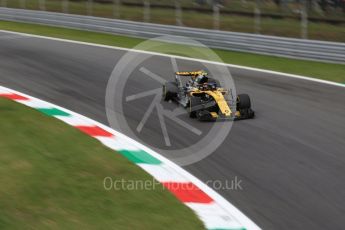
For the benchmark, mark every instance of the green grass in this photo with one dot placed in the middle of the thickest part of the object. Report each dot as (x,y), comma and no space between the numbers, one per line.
(326,71)
(194,18)
(51,177)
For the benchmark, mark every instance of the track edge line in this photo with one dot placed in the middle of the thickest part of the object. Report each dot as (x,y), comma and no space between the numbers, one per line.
(295,76)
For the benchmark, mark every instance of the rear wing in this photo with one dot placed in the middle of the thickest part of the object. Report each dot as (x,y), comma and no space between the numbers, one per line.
(191,73)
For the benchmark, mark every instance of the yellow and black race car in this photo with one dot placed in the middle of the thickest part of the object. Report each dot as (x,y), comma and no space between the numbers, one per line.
(205,99)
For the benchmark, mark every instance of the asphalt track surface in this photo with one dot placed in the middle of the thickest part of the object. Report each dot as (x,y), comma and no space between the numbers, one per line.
(290,158)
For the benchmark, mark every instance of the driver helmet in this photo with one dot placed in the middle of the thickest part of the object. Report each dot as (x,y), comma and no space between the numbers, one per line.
(201,79)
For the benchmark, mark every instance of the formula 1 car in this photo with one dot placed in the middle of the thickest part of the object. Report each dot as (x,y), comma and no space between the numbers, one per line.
(205,99)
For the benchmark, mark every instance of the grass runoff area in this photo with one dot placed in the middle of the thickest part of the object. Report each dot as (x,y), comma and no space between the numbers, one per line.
(51,177)
(195,17)
(326,71)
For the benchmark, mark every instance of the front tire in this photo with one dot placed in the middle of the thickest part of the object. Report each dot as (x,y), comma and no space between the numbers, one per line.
(244,107)
(243,102)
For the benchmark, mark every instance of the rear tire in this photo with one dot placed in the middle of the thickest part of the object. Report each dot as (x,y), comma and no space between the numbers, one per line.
(170,91)
(194,102)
